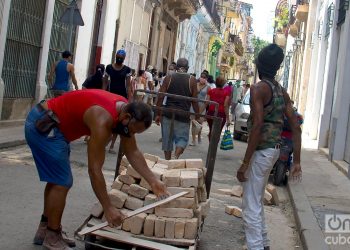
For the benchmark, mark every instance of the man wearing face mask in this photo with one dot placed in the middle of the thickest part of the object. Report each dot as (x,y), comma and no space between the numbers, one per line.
(50,127)
(117,78)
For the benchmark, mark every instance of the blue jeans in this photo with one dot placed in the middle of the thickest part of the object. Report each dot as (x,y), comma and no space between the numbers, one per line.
(50,152)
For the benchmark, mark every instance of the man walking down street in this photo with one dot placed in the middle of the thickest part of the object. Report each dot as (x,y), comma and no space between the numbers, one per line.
(51,125)
(117,80)
(269,103)
(178,83)
(62,69)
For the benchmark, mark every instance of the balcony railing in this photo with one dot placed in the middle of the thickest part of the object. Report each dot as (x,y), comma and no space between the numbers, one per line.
(211,7)
(302,2)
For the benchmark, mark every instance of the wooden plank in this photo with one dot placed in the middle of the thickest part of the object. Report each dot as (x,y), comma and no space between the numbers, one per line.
(126,238)
(132,213)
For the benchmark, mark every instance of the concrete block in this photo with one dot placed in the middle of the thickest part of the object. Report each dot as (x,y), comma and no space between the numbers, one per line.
(138,191)
(150,157)
(125,188)
(267,198)
(169,231)
(133,173)
(133,203)
(124,162)
(191,228)
(126,225)
(159,227)
(202,194)
(117,184)
(161,165)
(122,170)
(149,163)
(179,228)
(149,199)
(179,163)
(234,210)
(171,178)
(181,202)
(163,161)
(225,191)
(237,191)
(96,210)
(158,172)
(127,179)
(148,227)
(198,213)
(144,183)
(176,190)
(174,212)
(205,207)
(194,163)
(273,191)
(137,223)
(189,178)
(117,198)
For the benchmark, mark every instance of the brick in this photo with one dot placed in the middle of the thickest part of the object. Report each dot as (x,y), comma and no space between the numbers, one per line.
(144,183)
(150,157)
(117,184)
(125,188)
(171,178)
(133,203)
(96,210)
(132,172)
(237,191)
(198,213)
(148,227)
(117,198)
(122,170)
(194,163)
(181,202)
(179,228)
(158,172)
(174,212)
(202,194)
(176,190)
(137,223)
(161,165)
(124,162)
(205,207)
(149,163)
(191,228)
(138,191)
(159,227)
(163,161)
(273,191)
(179,163)
(127,179)
(189,179)
(267,198)
(234,210)
(169,231)
(126,225)
(149,199)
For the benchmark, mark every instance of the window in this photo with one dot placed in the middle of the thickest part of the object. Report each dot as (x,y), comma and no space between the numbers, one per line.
(329,19)
(343,7)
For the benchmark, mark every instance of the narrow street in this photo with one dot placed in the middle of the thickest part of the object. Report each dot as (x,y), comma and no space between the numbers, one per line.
(21,195)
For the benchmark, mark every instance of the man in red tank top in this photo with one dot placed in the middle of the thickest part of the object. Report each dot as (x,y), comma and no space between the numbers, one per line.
(53,124)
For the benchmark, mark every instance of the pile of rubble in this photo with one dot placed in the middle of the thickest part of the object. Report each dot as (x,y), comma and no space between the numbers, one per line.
(178,219)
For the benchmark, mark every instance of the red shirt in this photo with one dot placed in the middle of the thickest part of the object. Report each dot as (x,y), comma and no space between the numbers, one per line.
(218,95)
(71,106)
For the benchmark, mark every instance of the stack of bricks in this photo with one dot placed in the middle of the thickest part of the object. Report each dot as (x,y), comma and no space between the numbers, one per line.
(178,219)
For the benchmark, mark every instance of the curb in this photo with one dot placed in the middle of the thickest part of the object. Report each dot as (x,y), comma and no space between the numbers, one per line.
(342,166)
(310,233)
(11,144)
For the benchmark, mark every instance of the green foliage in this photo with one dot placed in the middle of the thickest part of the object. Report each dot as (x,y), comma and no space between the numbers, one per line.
(282,20)
(215,48)
(258,45)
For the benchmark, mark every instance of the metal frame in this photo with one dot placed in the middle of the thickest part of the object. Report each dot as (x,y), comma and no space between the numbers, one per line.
(214,139)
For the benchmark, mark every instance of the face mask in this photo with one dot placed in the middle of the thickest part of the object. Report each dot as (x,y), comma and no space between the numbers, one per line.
(119,60)
(122,129)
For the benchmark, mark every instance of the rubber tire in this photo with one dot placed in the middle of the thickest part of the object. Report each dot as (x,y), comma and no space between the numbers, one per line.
(237,136)
(279,174)
(92,239)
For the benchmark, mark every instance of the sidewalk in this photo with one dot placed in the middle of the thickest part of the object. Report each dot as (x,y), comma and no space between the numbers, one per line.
(12,136)
(323,190)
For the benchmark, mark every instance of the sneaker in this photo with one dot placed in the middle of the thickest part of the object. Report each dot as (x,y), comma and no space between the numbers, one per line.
(192,143)
(54,241)
(41,233)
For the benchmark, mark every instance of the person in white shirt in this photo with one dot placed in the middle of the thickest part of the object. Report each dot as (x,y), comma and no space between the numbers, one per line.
(149,84)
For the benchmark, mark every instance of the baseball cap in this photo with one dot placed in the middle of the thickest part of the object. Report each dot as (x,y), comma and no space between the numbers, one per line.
(121,52)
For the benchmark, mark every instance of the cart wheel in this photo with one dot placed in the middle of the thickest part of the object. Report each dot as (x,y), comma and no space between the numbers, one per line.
(279,174)
(92,239)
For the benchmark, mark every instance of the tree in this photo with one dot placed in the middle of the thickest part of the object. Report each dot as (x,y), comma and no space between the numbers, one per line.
(258,45)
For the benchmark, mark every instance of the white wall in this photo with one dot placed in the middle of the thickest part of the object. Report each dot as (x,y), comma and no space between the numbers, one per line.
(84,41)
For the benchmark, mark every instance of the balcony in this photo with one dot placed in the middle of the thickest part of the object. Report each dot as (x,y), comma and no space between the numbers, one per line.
(229,48)
(302,11)
(211,7)
(183,9)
